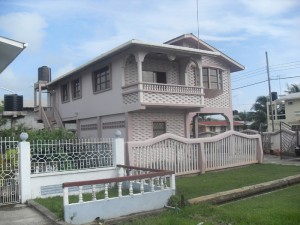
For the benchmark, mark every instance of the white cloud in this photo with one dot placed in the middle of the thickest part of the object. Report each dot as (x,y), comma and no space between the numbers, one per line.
(25,27)
(267,8)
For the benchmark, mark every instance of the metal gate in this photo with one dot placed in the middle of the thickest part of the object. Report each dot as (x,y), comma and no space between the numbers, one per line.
(9,171)
(288,140)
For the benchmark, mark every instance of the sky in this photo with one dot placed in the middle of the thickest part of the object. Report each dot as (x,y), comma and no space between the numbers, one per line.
(64,34)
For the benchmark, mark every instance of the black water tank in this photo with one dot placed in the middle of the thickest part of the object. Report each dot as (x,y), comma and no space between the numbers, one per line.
(44,74)
(274,96)
(13,102)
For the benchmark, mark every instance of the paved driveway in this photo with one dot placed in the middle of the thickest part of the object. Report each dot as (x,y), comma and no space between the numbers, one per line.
(286,161)
(22,214)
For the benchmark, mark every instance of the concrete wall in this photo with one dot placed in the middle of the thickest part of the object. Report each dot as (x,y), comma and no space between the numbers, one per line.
(50,184)
(116,207)
(28,121)
(142,123)
(94,104)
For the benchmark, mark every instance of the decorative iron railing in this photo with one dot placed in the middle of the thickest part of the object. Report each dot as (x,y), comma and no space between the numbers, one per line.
(9,170)
(73,154)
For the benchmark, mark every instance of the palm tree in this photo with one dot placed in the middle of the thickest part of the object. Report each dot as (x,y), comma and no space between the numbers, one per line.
(260,114)
(293,88)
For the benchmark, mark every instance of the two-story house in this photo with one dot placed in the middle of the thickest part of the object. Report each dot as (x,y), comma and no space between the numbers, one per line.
(143,89)
(285,109)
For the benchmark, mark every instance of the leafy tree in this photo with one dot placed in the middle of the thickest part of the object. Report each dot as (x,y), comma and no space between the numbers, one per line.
(2,119)
(260,112)
(293,88)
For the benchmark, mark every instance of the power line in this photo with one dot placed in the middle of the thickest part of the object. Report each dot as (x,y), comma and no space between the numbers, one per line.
(281,78)
(261,70)
(249,85)
(271,70)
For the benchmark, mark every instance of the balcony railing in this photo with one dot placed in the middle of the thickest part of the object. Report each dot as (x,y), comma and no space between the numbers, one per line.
(157,94)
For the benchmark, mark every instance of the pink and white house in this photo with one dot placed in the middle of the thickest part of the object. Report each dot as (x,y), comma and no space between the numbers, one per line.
(143,89)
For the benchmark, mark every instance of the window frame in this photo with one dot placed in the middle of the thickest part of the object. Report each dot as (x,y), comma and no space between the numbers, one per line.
(97,77)
(74,87)
(154,131)
(155,76)
(208,81)
(65,95)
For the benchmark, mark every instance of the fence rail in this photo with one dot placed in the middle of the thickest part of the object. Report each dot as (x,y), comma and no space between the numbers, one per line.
(185,156)
(73,154)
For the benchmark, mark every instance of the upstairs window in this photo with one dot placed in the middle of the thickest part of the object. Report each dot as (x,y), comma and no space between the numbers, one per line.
(76,88)
(155,77)
(212,78)
(102,79)
(65,93)
(159,128)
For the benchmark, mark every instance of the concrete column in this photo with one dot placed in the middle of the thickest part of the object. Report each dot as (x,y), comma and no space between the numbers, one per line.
(200,77)
(139,57)
(24,168)
(118,149)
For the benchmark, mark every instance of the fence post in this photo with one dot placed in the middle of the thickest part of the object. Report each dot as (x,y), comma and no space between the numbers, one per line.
(24,168)
(202,159)
(259,150)
(118,151)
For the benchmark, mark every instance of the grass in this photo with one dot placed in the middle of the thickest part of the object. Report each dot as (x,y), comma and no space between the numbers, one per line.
(195,186)
(276,208)
(55,204)
(213,182)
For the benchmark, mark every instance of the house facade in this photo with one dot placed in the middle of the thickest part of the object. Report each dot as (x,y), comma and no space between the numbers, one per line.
(142,89)
(219,126)
(285,109)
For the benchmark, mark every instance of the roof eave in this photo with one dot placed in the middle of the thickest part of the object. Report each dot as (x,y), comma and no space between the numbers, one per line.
(9,51)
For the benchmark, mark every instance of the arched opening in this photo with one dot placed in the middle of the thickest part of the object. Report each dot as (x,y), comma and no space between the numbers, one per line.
(207,125)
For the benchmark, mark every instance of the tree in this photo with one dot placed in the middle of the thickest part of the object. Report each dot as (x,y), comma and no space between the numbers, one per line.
(260,112)
(293,88)
(2,120)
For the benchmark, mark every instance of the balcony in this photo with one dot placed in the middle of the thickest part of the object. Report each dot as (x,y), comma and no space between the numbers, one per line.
(157,95)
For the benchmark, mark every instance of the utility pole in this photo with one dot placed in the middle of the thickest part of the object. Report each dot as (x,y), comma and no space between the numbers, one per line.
(270,93)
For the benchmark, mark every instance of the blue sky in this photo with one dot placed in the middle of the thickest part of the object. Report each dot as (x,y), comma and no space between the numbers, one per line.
(64,34)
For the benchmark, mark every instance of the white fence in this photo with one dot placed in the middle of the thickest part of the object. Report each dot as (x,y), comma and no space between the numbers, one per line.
(45,166)
(135,190)
(171,152)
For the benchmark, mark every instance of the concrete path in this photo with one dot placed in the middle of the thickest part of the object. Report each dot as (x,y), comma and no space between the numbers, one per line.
(22,214)
(272,159)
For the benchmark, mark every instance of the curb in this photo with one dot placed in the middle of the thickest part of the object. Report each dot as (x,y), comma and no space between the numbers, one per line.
(226,196)
(45,212)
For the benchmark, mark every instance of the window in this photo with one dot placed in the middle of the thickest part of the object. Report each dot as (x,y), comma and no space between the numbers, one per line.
(212,78)
(65,93)
(223,128)
(155,77)
(159,128)
(102,79)
(212,129)
(76,88)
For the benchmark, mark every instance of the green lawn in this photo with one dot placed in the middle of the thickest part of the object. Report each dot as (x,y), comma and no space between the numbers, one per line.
(195,186)
(212,182)
(276,208)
